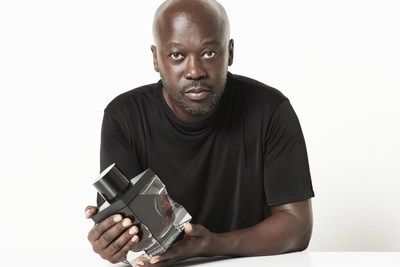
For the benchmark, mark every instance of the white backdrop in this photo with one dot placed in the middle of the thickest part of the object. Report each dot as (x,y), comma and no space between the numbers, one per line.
(61,62)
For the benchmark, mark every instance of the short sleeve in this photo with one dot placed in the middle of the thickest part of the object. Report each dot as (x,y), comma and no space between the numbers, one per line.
(286,168)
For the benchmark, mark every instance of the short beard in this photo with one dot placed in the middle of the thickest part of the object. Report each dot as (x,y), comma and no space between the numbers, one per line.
(210,106)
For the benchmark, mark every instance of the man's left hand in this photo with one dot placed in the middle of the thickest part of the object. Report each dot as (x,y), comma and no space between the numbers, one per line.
(197,242)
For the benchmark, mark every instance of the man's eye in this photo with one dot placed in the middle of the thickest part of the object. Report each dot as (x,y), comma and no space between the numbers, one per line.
(176,56)
(209,54)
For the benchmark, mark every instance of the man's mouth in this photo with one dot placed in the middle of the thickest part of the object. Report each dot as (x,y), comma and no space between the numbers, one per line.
(197,93)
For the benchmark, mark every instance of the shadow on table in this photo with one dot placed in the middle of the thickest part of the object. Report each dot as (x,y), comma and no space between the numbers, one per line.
(200,260)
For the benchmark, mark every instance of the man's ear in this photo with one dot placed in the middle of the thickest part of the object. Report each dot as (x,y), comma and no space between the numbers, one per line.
(230,50)
(155,63)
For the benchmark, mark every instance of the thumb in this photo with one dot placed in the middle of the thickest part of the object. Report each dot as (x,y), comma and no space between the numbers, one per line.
(90,211)
(195,230)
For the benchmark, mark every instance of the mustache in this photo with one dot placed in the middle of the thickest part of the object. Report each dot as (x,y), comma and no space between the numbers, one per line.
(195,84)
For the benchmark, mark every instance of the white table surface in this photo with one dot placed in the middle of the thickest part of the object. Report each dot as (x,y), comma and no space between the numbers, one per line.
(47,258)
(311,259)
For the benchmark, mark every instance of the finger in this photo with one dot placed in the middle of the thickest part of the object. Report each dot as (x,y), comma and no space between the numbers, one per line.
(195,242)
(188,229)
(158,261)
(145,262)
(173,254)
(158,264)
(122,245)
(114,240)
(118,231)
(141,261)
(100,228)
(195,230)
(90,211)
(175,251)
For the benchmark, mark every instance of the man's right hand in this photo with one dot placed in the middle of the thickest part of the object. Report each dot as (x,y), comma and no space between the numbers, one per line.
(113,237)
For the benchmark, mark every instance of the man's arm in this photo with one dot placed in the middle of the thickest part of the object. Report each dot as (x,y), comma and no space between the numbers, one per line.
(288,229)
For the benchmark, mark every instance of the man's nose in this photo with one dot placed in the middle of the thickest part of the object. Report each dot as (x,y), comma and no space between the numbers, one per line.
(194,69)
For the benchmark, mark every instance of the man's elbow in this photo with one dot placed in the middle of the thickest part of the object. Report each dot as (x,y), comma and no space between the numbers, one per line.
(305,227)
(303,244)
(304,237)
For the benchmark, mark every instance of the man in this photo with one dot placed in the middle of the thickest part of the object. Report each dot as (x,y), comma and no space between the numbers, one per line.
(229,149)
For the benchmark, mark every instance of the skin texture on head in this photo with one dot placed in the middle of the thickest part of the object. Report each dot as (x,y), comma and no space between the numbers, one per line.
(192,53)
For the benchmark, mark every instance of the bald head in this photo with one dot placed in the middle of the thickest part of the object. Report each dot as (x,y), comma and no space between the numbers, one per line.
(192,53)
(196,12)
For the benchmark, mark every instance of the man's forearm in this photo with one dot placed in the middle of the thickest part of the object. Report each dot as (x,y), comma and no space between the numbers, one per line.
(288,229)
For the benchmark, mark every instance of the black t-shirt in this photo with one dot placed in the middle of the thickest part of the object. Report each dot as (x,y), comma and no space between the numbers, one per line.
(226,170)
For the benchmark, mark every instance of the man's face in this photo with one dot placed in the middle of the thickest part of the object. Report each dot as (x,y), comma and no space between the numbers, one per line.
(192,58)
